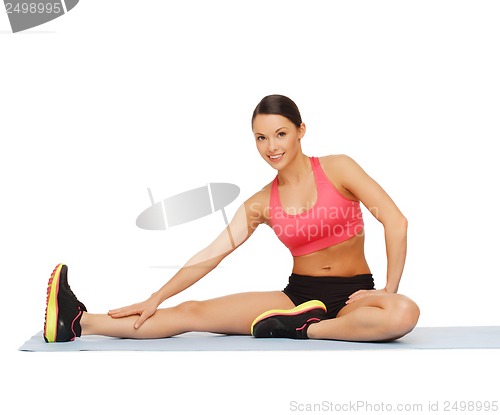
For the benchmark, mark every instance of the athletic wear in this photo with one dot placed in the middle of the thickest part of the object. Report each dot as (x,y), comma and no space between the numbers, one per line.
(332,291)
(333,218)
(291,324)
(63,311)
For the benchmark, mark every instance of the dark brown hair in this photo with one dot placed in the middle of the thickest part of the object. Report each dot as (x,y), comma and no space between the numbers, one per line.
(280,105)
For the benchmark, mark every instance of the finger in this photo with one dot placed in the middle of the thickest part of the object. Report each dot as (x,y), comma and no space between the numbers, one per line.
(123,312)
(118,310)
(139,322)
(356,296)
(143,317)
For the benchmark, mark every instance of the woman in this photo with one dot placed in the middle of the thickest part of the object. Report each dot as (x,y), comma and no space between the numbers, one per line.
(313,205)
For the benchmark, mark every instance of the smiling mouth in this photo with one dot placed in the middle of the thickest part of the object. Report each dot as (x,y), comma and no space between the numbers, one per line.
(276,157)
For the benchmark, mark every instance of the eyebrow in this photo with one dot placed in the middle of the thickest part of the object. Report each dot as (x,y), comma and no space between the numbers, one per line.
(274,132)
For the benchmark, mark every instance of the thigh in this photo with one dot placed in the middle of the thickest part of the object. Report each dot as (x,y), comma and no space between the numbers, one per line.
(232,314)
(384,301)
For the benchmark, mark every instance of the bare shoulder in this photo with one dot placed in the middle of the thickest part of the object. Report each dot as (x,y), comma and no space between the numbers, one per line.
(341,170)
(261,197)
(352,180)
(337,163)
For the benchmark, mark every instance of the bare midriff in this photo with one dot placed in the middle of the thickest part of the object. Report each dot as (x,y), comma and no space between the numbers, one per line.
(343,260)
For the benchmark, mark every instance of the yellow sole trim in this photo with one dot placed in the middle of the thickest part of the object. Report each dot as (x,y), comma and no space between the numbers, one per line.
(52,310)
(308,305)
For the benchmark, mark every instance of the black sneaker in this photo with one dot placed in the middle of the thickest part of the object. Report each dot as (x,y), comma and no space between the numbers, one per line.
(63,311)
(292,323)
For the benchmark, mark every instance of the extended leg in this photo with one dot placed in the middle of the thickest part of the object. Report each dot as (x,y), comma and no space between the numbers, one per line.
(231,314)
(372,318)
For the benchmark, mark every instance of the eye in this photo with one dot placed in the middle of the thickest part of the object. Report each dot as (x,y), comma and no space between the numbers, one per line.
(260,138)
(281,134)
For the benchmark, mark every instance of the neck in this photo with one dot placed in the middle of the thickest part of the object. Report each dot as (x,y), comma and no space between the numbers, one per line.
(296,171)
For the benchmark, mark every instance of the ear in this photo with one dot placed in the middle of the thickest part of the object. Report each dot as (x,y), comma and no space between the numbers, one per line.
(302,130)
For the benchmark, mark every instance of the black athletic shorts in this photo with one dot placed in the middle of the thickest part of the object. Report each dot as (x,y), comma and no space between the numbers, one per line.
(332,291)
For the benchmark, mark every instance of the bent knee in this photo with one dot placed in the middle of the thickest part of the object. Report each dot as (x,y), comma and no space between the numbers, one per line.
(404,315)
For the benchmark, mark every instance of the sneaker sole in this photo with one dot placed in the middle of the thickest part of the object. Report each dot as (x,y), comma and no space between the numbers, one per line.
(52,309)
(301,308)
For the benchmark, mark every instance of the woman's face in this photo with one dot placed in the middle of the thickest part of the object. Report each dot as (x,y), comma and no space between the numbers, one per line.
(277,139)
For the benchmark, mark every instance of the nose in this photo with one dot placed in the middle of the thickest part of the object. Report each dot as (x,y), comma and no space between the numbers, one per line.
(272,145)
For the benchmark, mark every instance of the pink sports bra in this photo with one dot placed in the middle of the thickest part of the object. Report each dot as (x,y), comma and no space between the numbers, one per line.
(333,218)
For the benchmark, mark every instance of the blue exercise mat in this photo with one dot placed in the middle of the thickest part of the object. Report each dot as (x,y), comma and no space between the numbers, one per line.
(481,337)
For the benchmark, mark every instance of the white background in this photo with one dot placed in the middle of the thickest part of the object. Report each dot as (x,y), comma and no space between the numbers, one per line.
(119,96)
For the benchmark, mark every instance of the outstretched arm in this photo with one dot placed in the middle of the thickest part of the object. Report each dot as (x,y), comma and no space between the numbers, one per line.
(247,218)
